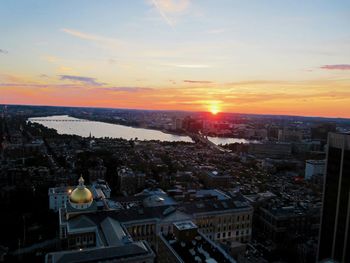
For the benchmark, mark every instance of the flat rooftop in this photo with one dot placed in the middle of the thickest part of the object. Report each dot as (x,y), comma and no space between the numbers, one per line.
(185,225)
(199,249)
(132,250)
(321,162)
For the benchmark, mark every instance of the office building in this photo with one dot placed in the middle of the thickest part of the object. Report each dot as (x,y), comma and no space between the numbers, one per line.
(334,240)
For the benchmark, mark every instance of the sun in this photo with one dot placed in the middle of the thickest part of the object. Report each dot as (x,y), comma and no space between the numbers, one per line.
(214,108)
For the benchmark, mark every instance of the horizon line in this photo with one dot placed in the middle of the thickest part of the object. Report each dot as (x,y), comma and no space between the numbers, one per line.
(143,109)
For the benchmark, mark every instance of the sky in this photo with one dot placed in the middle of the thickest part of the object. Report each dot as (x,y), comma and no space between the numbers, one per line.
(256,56)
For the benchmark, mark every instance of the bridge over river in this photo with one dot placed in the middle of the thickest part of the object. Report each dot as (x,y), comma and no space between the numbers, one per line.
(198,137)
(58,120)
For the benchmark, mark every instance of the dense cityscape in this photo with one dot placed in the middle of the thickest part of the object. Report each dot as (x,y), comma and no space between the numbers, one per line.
(257,201)
(175,131)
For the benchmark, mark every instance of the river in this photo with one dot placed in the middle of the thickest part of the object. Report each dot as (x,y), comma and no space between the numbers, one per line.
(69,125)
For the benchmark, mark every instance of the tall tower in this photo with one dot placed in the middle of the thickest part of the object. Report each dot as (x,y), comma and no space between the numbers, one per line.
(334,239)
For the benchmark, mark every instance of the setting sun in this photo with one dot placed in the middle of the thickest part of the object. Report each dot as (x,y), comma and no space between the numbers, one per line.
(214,108)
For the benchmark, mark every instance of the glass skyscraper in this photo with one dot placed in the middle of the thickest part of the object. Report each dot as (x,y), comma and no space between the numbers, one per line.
(334,240)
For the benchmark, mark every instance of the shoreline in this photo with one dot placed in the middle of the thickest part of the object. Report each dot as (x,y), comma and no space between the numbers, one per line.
(168,132)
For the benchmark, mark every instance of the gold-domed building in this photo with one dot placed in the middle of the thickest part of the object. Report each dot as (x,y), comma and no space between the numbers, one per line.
(81,197)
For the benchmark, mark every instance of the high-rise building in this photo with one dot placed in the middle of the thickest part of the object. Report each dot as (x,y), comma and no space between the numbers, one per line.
(334,241)
(320,131)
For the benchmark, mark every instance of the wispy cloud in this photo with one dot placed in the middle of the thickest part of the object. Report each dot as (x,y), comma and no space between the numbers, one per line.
(174,7)
(162,14)
(92,37)
(198,81)
(82,35)
(199,66)
(127,89)
(3,51)
(32,86)
(337,67)
(85,80)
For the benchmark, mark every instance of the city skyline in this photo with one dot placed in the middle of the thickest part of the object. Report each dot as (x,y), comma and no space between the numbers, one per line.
(263,58)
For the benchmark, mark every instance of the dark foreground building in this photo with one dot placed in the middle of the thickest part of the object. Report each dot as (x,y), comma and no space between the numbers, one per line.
(334,242)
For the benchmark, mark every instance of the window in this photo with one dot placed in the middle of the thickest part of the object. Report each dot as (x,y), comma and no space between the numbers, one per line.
(218,235)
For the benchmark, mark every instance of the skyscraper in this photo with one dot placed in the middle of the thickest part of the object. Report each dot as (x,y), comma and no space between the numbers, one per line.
(334,239)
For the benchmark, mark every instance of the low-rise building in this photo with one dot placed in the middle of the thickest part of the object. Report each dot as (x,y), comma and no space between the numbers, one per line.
(270,150)
(187,244)
(106,241)
(213,179)
(58,197)
(129,181)
(288,222)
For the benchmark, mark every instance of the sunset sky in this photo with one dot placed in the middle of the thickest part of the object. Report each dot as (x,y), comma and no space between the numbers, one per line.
(262,56)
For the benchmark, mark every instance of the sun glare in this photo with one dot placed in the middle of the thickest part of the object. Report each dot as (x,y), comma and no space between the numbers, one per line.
(214,108)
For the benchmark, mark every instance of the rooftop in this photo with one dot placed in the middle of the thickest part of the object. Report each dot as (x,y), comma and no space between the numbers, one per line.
(199,249)
(131,250)
(185,225)
(321,162)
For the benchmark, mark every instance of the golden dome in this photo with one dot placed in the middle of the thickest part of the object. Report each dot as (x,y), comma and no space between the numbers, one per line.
(81,195)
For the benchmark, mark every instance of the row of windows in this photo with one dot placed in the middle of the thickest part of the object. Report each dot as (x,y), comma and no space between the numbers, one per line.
(141,230)
(230,227)
(228,234)
(84,240)
(234,218)
(206,222)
